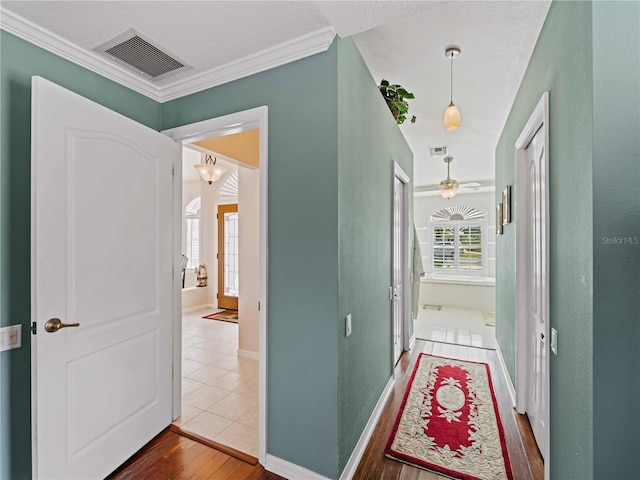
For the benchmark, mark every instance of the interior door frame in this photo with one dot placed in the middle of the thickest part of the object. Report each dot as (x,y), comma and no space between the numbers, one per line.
(215,127)
(400,174)
(538,119)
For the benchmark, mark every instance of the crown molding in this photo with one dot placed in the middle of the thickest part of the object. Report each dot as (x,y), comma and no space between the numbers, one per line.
(296,49)
(32,33)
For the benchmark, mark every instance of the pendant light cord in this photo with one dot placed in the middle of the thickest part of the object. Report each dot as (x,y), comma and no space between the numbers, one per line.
(451,77)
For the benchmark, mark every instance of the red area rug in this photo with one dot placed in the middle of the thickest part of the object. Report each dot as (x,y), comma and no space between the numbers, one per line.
(224,316)
(449,422)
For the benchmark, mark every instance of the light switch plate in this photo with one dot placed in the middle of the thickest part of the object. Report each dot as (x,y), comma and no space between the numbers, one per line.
(554,341)
(347,325)
(10,337)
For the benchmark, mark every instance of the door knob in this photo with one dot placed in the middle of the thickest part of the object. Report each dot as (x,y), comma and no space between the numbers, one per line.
(55,324)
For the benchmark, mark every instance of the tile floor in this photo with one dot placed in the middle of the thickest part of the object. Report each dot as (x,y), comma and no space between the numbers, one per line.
(219,389)
(455,325)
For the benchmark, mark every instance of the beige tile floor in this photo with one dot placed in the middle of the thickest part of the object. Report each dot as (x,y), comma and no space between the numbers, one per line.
(456,326)
(219,389)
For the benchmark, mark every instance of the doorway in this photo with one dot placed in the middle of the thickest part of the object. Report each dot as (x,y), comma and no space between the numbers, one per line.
(400,285)
(532,274)
(224,127)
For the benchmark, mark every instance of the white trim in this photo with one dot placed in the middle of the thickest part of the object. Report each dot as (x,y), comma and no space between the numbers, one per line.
(32,33)
(301,47)
(176,397)
(289,470)
(225,125)
(400,174)
(539,118)
(505,372)
(249,354)
(358,451)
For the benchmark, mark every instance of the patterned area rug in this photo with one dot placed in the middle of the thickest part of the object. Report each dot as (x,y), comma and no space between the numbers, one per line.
(225,316)
(449,422)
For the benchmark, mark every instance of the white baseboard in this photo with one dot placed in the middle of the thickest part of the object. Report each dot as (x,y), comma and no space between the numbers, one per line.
(358,451)
(199,307)
(289,470)
(249,354)
(505,372)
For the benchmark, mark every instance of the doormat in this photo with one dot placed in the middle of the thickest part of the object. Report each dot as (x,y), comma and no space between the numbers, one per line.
(432,307)
(224,316)
(489,319)
(449,422)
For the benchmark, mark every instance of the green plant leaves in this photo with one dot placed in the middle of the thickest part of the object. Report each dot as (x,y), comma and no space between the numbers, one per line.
(395,95)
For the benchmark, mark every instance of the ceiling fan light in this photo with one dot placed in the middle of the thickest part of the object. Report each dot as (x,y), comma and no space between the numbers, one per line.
(449,188)
(451,117)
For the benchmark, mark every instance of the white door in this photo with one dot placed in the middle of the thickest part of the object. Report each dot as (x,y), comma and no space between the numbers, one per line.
(399,229)
(536,318)
(102,195)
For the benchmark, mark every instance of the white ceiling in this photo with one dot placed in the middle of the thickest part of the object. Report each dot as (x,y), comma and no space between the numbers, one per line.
(402,41)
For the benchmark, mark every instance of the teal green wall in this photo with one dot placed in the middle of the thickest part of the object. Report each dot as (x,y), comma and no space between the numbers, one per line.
(616,239)
(302,245)
(561,64)
(368,142)
(19,61)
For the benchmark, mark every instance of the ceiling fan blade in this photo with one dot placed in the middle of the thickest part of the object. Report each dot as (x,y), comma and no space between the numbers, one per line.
(427,188)
(470,185)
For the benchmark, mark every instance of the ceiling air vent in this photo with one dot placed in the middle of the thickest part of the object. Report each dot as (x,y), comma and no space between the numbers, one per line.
(437,151)
(139,54)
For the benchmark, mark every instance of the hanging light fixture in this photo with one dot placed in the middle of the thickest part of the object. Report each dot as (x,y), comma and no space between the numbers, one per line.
(209,171)
(449,187)
(452,114)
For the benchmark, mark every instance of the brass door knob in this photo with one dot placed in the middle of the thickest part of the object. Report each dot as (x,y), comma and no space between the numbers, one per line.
(55,324)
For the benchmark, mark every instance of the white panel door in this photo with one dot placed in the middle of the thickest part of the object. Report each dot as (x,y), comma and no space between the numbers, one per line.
(398,267)
(102,195)
(536,318)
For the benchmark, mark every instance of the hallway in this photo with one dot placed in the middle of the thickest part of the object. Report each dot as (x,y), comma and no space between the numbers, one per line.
(526,461)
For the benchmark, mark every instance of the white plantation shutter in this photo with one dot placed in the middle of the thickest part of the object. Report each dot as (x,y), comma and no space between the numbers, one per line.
(457,240)
(192,226)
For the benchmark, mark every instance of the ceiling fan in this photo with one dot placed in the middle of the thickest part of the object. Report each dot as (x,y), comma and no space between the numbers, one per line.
(449,187)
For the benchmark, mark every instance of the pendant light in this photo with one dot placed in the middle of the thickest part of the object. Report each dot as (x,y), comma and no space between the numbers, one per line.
(209,171)
(449,187)
(452,114)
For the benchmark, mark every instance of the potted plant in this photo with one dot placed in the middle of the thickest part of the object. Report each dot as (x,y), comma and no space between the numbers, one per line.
(396,97)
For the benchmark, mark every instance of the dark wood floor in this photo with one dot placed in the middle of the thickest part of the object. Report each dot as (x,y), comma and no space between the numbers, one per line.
(525,459)
(172,456)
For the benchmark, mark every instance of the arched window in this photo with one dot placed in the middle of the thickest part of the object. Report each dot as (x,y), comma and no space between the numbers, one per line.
(458,241)
(192,225)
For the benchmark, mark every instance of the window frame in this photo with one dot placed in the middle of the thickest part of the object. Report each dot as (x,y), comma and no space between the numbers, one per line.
(457,225)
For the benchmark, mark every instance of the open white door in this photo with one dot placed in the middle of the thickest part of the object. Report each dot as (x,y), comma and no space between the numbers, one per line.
(102,196)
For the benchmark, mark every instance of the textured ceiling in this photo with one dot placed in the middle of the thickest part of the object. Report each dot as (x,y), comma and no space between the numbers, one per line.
(496,41)
(402,41)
